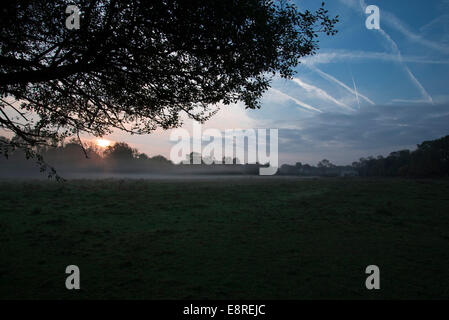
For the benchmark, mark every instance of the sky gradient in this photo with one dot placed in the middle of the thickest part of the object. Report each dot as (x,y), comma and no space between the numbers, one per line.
(367,92)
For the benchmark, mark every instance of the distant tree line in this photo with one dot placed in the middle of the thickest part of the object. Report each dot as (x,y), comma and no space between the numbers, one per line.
(430,159)
(324,168)
(74,156)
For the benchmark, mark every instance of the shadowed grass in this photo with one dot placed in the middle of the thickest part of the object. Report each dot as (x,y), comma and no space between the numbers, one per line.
(241,238)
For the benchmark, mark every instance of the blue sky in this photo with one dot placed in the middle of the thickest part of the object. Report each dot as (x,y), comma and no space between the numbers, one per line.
(367,92)
(377,90)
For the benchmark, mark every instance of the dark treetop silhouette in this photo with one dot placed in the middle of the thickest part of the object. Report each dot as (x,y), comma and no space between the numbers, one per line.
(138,65)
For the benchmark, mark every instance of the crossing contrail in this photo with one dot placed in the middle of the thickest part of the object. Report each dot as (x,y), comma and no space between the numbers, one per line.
(355,89)
(333,79)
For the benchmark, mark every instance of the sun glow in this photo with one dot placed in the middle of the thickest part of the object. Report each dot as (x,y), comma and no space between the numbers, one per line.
(103,143)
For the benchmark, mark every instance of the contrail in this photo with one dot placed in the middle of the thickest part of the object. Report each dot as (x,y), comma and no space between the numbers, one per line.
(331,78)
(395,48)
(320,92)
(344,55)
(355,89)
(298,102)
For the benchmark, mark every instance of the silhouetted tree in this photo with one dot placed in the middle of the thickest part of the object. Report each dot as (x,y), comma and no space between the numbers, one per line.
(121,151)
(325,164)
(142,157)
(137,65)
(161,160)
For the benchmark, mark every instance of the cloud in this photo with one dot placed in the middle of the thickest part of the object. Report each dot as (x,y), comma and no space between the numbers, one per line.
(380,129)
(158,142)
(409,101)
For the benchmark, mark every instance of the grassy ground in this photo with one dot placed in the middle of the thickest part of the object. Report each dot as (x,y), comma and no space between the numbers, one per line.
(240,238)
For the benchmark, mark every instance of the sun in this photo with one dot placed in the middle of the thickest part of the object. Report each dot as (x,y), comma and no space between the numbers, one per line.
(103,143)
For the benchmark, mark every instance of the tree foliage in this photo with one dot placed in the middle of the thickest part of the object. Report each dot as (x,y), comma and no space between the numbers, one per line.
(138,65)
(121,151)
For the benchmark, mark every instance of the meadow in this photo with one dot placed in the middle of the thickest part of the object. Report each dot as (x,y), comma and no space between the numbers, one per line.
(245,238)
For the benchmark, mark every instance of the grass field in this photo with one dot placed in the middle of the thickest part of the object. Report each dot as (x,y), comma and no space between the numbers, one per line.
(264,238)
